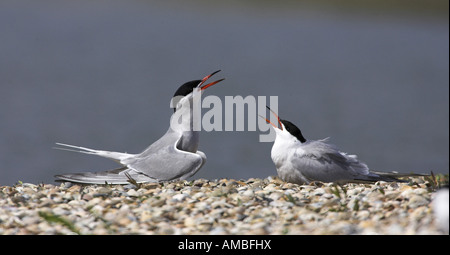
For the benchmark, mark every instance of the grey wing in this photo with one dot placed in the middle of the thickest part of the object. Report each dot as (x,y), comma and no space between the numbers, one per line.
(167,165)
(320,170)
(326,163)
(164,162)
(116,176)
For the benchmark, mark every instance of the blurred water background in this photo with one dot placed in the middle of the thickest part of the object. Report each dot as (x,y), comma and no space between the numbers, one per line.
(372,75)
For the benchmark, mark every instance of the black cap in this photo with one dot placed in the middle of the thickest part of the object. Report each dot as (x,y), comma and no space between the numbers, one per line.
(293,130)
(183,91)
(187,88)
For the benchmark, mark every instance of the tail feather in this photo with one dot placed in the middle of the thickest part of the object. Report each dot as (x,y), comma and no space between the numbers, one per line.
(375,176)
(116,156)
(391,176)
(397,175)
(81,149)
(116,176)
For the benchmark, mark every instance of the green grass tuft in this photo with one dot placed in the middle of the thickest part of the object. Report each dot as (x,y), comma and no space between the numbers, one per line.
(53,218)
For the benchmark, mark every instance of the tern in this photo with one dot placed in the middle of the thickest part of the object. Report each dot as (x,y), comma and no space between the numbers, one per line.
(174,156)
(303,161)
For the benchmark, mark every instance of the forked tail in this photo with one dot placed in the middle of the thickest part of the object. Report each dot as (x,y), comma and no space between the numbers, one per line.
(116,156)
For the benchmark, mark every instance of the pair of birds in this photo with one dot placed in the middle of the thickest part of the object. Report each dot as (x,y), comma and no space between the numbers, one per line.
(176,156)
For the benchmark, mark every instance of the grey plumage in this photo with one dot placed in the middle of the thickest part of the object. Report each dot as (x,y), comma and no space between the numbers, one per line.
(161,161)
(174,156)
(301,161)
(320,161)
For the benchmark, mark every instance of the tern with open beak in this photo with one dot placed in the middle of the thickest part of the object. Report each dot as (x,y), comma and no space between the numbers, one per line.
(174,156)
(303,161)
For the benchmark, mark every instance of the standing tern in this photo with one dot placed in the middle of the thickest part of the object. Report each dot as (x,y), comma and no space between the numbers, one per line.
(172,157)
(303,161)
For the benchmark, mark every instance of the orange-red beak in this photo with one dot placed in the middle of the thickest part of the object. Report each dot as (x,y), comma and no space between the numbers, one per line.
(209,84)
(278,118)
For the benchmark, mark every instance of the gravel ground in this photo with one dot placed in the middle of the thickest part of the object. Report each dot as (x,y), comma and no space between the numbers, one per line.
(225,206)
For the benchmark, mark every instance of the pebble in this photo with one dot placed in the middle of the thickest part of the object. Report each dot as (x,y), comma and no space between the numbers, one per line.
(132,193)
(219,207)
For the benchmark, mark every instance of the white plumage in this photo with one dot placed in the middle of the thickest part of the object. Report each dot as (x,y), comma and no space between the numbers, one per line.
(174,156)
(301,161)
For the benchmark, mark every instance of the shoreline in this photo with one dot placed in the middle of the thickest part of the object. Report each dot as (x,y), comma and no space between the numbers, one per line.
(224,206)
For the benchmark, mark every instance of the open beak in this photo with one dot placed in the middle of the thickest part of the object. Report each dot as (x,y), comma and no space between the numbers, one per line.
(209,84)
(278,118)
